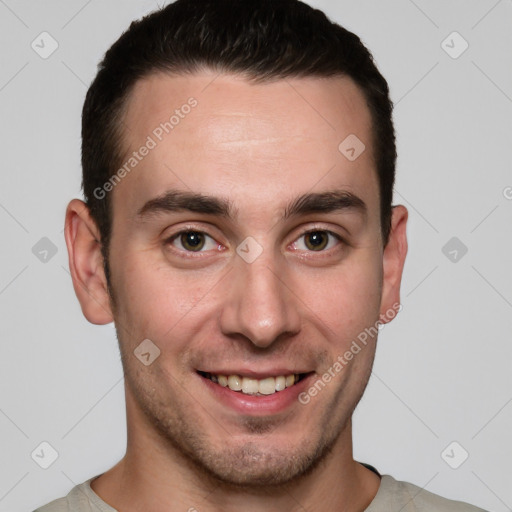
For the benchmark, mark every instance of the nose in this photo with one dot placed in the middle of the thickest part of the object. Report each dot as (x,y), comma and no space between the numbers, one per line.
(259,305)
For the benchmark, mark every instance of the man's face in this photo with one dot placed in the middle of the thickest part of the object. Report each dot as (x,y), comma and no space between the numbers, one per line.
(259,286)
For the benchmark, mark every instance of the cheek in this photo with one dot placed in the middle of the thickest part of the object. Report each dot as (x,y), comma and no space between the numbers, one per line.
(155,300)
(347,299)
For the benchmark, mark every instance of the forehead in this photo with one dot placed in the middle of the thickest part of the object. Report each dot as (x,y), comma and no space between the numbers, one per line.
(227,136)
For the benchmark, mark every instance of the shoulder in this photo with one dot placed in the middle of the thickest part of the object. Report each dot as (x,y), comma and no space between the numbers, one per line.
(80,499)
(59,505)
(395,495)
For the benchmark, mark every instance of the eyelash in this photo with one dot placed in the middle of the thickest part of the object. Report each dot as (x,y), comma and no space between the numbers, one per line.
(331,234)
(196,254)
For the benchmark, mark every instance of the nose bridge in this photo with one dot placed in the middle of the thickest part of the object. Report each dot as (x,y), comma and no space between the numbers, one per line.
(259,305)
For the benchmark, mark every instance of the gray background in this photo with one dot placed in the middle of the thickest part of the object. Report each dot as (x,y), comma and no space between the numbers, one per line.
(442,372)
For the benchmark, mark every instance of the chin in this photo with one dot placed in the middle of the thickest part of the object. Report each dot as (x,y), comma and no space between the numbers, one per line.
(258,465)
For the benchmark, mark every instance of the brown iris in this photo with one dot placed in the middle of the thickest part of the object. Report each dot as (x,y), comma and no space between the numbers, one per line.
(192,240)
(316,240)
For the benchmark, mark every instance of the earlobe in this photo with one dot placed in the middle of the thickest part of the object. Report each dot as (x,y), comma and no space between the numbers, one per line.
(393,263)
(86,263)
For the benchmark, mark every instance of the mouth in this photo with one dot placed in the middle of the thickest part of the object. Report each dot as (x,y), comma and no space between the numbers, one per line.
(255,387)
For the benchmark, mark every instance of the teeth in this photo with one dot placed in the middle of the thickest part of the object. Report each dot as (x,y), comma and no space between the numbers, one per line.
(267,386)
(234,382)
(249,386)
(280,383)
(290,379)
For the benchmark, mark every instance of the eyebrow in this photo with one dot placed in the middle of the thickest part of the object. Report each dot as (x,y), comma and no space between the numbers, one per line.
(326,202)
(322,202)
(174,201)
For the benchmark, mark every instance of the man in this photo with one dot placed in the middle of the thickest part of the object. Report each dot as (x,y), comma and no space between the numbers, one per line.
(238,167)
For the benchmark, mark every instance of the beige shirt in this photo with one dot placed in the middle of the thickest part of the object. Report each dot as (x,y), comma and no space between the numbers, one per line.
(392,496)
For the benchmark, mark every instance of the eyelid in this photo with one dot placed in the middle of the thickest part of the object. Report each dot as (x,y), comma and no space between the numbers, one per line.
(189,227)
(331,233)
(186,227)
(168,240)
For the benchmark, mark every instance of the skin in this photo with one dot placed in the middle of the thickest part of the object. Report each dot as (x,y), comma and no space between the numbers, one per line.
(260,146)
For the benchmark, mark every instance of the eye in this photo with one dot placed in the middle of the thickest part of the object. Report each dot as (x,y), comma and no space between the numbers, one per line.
(317,241)
(193,241)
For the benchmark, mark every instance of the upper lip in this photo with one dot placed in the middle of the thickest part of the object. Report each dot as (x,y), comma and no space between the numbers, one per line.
(255,374)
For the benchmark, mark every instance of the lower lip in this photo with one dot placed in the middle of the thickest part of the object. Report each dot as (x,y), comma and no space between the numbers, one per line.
(257,405)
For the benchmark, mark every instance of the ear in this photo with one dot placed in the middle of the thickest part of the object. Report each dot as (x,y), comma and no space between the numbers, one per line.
(86,263)
(393,263)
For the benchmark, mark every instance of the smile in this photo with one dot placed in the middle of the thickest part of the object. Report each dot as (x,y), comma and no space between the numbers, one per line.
(255,387)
